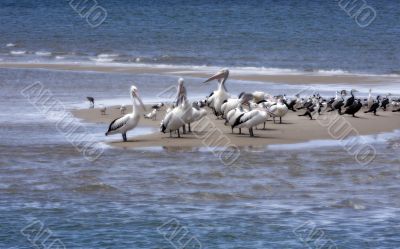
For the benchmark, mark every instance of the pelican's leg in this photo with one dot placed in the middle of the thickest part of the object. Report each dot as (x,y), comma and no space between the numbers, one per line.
(183,129)
(179,134)
(264,126)
(124,137)
(251,132)
(240,131)
(280,120)
(190,130)
(232,129)
(274,119)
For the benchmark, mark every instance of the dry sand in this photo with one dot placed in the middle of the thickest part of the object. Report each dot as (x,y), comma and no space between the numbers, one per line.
(211,131)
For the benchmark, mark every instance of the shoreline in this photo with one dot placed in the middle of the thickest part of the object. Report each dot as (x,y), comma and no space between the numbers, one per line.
(257,76)
(293,130)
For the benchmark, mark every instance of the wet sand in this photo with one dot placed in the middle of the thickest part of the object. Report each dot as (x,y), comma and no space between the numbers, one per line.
(260,76)
(212,131)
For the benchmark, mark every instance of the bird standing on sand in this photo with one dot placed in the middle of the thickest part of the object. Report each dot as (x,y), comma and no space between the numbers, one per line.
(129,121)
(152,115)
(180,115)
(217,98)
(374,107)
(278,110)
(123,109)
(91,102)
(158,106)
(353,108)
(103,109)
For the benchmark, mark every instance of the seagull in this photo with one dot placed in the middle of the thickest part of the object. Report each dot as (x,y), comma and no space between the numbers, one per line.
(152,115)
(91,101)
(217,98)
(123,109)
(129,121)
(158,106)
(103,109)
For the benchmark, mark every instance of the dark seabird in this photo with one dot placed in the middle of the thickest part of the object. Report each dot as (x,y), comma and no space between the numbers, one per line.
(354,108)
(91,101)
(374,106)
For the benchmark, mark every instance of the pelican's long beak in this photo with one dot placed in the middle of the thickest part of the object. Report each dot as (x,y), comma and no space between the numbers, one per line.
(140,101)
(217,76)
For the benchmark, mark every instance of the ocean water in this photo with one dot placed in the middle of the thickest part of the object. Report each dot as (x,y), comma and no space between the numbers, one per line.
(304,35)
(282,196)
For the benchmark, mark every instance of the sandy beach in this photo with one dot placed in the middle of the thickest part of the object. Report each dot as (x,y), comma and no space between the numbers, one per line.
(294,129)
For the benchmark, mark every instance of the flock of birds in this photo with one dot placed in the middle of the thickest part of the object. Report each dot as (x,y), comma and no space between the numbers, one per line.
(248,110)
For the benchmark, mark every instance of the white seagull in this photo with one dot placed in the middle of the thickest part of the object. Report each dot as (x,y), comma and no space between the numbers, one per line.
(128,121)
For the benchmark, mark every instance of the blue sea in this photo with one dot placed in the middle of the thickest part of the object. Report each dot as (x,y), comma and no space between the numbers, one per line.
(308,195)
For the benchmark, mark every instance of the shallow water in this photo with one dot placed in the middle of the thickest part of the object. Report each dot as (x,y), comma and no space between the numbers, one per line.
(121,199)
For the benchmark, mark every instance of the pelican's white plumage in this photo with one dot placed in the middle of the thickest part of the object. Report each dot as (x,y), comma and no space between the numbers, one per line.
(217,98)
(129,121)
(251,119)
(278,110)
(180,115)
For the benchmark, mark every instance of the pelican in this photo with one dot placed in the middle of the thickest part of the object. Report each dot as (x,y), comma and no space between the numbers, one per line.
(234,114)
(230,104)
(180,115)
(128,121)
(197,114)
(251,119)
(278,110)
(217,98)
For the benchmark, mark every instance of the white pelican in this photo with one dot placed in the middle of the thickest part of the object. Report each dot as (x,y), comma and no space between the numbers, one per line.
(230,104)
(251,119)
(234,114)
(278,110)
(217,98)
(128,121)
(197,114)
(180,115)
